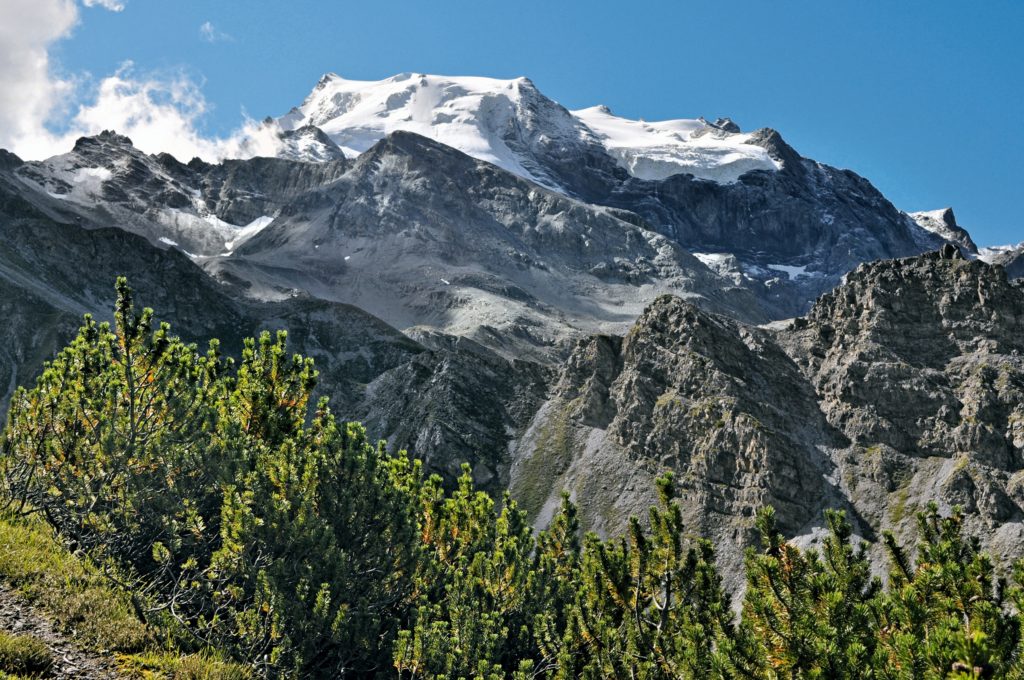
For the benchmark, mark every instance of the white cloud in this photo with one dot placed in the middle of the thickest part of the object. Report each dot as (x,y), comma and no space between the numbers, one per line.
(43,112)
(31,93)
(210,33)
(112,5)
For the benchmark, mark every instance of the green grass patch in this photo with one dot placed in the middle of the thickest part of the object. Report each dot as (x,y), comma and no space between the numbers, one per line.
(901,507)
(73,591)
(159,665)
(76,595)
(549,460)
(669,398)
(24,655)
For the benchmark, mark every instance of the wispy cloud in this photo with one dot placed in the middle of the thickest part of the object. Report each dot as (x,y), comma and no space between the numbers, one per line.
(164,112)
(211,34)
(112,5)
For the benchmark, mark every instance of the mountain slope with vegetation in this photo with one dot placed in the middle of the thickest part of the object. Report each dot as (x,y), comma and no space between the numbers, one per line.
(235,516)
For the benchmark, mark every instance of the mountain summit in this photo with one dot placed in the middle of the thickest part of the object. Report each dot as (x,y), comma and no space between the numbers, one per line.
(511,124)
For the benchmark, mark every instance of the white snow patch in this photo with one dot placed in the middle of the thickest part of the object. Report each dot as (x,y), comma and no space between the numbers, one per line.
(943,224)
(86,183)
(790,271)
(212,234)
(90,180)
(164,239)
(933,215)
(305,146)
(245,233)
(724,264)
(656,150)
(712,260)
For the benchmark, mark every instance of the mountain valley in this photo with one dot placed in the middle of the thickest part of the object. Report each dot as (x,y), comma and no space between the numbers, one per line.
(564,300)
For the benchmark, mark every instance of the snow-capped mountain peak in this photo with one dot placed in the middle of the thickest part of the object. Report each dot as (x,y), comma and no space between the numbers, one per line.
(491,119)
(307,143)
(511,124)
(943,224)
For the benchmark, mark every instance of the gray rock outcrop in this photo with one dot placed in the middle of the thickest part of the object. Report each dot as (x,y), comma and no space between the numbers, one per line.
(902,386)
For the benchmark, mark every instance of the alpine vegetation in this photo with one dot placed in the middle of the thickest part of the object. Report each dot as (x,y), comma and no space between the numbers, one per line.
(241,517)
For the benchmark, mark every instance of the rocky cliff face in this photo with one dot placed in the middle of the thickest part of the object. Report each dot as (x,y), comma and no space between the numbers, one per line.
(903,385)
(816,220)
(718,402)
(918,363)
(457,398)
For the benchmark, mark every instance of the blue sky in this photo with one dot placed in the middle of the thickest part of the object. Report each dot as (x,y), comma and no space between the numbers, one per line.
(924,98)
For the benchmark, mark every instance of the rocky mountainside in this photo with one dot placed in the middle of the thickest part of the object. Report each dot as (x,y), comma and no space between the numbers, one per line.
(1014,262)
(202,209)
(52,270)
(420,234)
(415,232)
(902,386)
